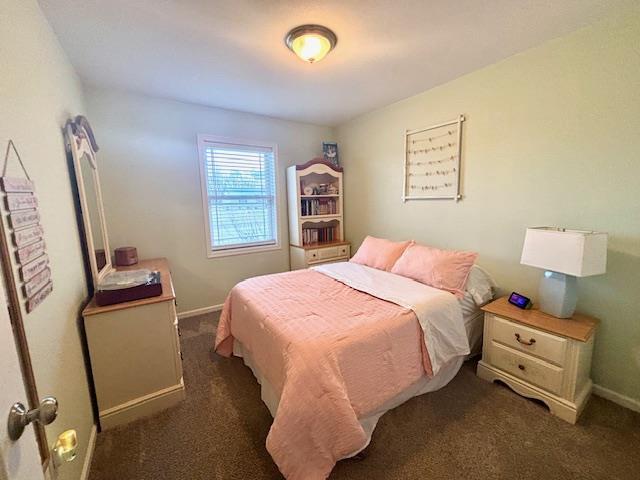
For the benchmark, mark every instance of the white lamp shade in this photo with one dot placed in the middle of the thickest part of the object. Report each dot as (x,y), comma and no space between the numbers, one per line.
(573,252)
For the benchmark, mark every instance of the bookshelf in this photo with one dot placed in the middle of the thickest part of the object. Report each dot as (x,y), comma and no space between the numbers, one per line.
(316,221)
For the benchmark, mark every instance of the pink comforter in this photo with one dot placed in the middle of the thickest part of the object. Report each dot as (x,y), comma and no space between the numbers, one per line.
(334,354)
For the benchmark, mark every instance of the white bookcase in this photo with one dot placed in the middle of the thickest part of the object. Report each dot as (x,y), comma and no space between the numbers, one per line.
(316,215)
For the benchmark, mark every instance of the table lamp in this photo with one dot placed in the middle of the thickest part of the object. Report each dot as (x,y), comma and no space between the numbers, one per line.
(564,255)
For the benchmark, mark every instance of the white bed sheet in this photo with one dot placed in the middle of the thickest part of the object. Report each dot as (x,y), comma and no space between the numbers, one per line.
(474,326)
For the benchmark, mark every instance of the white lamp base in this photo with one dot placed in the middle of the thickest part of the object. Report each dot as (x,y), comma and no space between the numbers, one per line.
(558,294)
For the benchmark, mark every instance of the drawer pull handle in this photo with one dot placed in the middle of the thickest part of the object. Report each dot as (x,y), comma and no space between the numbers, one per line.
(520,366)
(524,342)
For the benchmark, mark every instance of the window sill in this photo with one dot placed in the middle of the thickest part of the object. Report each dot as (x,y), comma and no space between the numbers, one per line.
(242,251)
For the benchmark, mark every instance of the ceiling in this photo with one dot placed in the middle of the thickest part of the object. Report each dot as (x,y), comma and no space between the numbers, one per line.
(231,53)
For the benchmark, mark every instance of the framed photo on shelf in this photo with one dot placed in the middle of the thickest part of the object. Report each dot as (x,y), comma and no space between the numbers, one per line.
(330,152)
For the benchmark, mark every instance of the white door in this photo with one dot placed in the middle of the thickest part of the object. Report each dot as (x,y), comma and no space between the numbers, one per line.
(19,460)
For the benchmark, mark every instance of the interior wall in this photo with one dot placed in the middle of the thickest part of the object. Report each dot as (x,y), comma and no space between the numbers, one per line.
(38,92)
(551,138)
(151,184)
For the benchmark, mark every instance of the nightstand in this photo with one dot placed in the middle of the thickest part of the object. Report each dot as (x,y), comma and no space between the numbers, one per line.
(539,356)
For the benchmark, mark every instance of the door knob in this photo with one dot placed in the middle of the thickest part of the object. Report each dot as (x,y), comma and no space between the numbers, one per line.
(20,417)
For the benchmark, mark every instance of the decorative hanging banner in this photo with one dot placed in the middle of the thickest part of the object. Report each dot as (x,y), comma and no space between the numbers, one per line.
(27,235)
(37,282)
(15,185)
(24,219)
(30,252)
(31,269)
(38,297)
(21,204)
(21,201)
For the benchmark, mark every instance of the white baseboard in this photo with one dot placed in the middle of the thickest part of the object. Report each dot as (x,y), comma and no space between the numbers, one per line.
(142,406)
(200,311)
(615,397)
(91,446)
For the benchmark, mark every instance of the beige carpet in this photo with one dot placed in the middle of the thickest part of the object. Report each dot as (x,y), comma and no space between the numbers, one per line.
(469,429)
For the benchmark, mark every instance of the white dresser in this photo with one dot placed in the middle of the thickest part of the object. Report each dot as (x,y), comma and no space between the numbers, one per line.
(135,353)
(539,356)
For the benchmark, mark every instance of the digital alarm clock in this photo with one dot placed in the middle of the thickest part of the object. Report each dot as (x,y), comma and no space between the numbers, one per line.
(519,301)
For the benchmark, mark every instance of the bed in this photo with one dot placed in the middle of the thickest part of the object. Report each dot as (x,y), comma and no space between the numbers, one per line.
(335,347)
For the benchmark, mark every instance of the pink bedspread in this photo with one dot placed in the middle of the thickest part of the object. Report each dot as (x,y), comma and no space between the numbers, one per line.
(334,354)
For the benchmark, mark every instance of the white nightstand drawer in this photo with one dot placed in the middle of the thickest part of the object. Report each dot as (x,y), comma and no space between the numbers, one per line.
(343,250)
(312,255)
(526,367)
(541,344)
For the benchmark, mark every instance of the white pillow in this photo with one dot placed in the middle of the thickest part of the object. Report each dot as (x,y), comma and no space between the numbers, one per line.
(480,286)
(469,308)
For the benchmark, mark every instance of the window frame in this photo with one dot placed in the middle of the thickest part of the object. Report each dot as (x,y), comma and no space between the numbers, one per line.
(203,140)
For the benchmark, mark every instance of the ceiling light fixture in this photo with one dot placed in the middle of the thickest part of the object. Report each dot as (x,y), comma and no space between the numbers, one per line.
(311,42)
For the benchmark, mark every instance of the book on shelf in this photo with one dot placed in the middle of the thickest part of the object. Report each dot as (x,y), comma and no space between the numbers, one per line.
(319,235)
(321,206)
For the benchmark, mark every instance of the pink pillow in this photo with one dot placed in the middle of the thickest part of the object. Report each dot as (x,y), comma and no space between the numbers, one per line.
(379,253)
(444,269)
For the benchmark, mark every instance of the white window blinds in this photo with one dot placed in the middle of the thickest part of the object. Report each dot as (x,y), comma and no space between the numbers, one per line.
(240,194)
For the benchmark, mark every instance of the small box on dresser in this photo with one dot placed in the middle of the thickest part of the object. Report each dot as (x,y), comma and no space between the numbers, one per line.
(539,356)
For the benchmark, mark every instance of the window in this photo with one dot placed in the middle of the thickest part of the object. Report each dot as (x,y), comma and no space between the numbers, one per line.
(240,195)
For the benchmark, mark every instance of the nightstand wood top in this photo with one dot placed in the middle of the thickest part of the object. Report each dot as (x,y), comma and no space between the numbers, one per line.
(579,327)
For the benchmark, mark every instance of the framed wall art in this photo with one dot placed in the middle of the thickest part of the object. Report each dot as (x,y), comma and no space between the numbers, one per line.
(432,162)
(330,153)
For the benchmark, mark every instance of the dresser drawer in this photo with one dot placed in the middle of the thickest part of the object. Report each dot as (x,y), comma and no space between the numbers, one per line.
(541,344)
(312,256)
(526,367)
(330,252)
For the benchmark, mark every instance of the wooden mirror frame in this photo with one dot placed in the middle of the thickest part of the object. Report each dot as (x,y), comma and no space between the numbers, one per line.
(80,142)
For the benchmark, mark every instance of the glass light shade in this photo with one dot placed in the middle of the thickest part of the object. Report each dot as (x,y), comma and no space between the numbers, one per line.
(311,42)
(311,47)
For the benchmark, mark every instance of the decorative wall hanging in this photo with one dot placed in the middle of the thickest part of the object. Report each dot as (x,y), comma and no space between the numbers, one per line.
(20,207)
(432,162)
